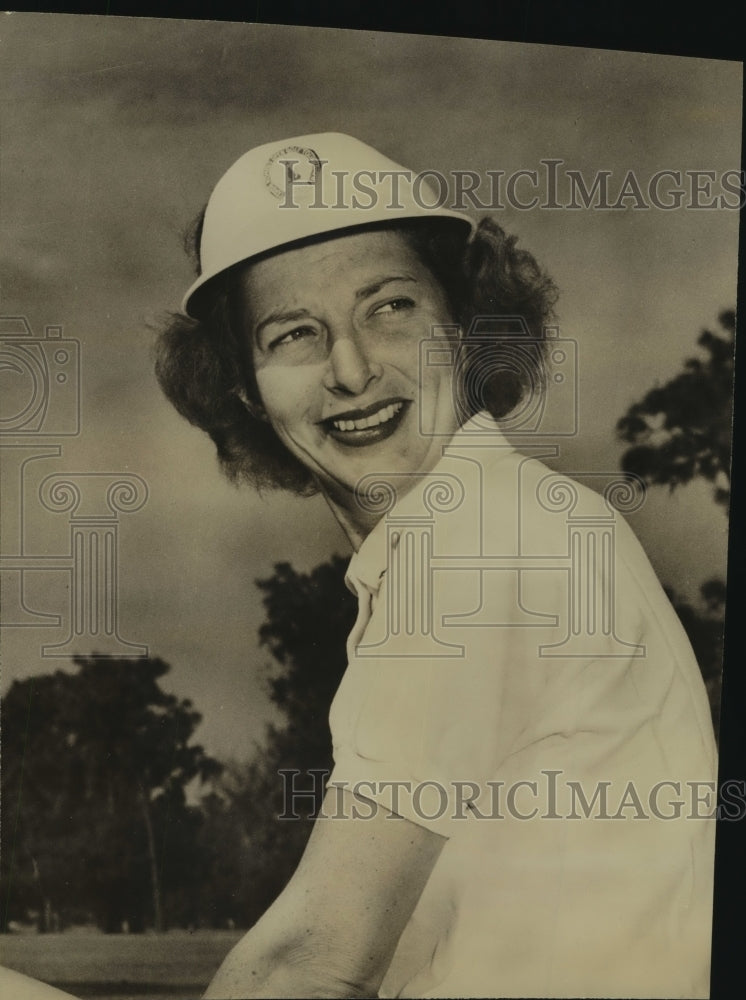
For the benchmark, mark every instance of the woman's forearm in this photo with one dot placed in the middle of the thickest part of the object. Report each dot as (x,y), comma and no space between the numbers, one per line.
(250,977)
(333,930)
(258,966)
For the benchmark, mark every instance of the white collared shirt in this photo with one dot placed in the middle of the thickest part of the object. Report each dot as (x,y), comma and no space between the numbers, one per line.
(515,656)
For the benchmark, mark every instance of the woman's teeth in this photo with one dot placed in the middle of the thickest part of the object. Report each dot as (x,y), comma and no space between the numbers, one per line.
(381,416)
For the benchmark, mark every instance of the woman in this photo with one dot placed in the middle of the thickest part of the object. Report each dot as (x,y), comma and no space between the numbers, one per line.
(521,712)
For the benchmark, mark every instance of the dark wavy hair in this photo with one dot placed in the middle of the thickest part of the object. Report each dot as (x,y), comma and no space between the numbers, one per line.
(203,365)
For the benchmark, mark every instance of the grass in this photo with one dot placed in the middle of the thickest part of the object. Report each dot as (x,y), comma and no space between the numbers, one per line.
(172,966)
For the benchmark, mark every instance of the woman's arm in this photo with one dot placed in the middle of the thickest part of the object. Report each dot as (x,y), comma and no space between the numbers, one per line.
(333,930)
(20,987)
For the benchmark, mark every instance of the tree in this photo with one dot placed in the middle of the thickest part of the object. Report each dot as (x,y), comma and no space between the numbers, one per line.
(308,619)
(682,429)
(704,627)
(678,432)
(95,769)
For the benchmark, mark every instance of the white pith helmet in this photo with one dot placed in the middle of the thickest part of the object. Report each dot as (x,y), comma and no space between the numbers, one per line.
(309,185)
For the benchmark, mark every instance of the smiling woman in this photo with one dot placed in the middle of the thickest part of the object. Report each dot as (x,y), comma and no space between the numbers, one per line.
(344,389)
(206,365)
(511,633)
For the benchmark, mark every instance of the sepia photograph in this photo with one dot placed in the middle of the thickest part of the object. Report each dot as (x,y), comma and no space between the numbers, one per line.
(366,417)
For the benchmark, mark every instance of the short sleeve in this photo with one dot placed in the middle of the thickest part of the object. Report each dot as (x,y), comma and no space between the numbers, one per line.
(424,732)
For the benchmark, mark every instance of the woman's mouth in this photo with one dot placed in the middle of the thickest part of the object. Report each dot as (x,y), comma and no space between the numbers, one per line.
(358,428)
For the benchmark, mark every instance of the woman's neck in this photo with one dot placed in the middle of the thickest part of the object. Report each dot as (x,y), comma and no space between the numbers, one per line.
(357,524)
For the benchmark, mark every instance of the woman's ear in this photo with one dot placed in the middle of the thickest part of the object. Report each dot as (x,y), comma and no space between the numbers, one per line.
(255,409)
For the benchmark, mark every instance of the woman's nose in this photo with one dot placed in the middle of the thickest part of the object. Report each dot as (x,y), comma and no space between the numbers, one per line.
(349,370)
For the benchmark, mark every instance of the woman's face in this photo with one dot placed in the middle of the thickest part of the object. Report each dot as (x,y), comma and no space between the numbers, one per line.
(335,331)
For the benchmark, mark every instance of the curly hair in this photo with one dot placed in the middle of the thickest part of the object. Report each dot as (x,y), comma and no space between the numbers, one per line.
(204,367)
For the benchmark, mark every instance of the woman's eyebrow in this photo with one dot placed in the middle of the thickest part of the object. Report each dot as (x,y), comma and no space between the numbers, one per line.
(378,283)
(281,317)
(294,314)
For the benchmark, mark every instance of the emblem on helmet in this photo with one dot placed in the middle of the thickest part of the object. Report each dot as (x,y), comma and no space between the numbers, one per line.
(291,165)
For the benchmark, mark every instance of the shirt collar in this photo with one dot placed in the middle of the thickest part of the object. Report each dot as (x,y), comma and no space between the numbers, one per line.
(369,563)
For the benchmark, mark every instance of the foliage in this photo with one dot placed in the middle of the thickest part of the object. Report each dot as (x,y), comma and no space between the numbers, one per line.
(682,430)
(308,619)
(678,432)
(95,766)
(705,627)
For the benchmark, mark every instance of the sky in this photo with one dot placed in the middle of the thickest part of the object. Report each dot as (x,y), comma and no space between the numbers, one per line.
(114,131)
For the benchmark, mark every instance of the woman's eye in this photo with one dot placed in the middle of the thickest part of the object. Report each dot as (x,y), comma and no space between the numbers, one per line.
(292,336)
(395,305)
